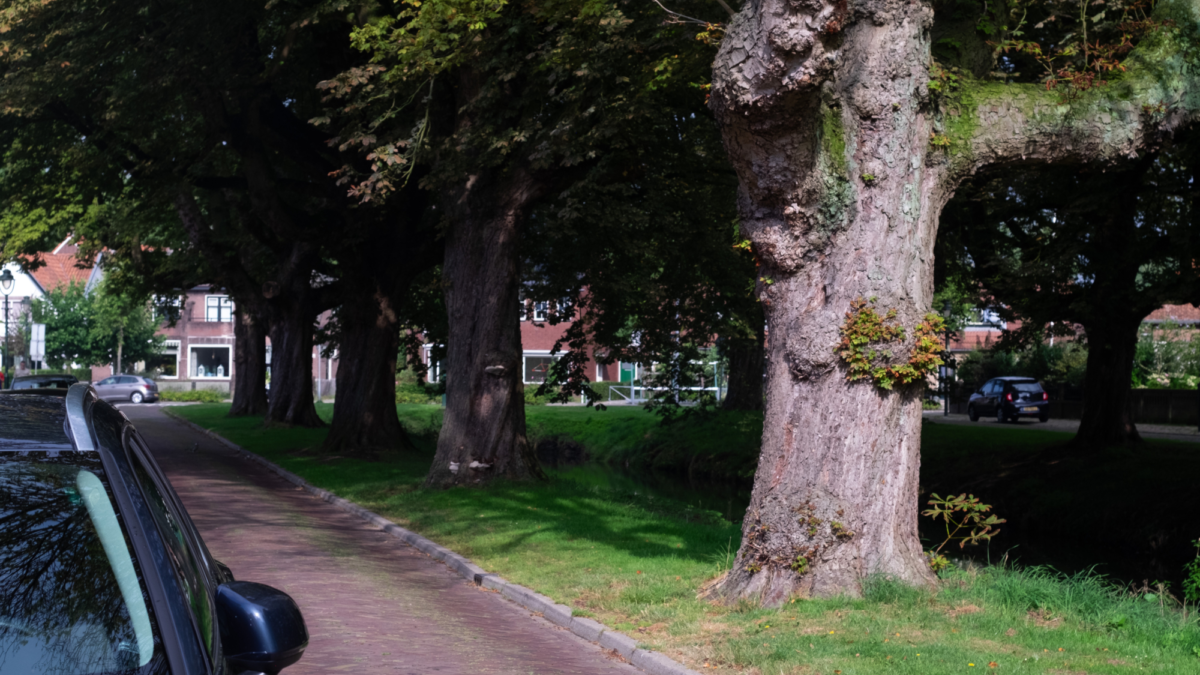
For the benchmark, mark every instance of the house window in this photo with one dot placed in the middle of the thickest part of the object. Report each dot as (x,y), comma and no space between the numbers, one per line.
(537,368)
(209,362)
(543,310)
(166,364)
(167,308)
(218,308)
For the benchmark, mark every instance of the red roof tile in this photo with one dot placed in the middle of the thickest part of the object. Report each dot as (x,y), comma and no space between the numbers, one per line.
(62,267)
(1176,313)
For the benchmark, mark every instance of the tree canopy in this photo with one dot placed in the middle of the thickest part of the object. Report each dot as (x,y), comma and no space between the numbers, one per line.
(88,327)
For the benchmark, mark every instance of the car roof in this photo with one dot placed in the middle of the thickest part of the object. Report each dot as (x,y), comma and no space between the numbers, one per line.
(1016,378)
(61,376)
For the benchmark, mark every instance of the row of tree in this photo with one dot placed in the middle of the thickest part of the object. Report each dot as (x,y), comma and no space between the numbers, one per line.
(418,171)
(415,164)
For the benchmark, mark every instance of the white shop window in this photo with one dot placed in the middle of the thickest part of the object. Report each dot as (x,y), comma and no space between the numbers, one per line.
(209,362)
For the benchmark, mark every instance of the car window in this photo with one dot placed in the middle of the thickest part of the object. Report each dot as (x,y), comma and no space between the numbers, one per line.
(184,552)
(106,381)
(72,595)
(125,379)
(1028,387)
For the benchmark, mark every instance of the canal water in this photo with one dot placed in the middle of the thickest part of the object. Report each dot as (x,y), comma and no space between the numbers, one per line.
(730,499)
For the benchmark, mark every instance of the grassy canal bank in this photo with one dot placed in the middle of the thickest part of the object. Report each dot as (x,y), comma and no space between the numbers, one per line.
(635,562)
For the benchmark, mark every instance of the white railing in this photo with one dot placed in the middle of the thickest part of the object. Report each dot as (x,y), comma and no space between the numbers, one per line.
(637,393)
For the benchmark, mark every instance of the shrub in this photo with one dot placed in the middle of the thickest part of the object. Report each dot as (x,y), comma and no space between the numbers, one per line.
(410,390)
(1191,579)
(194,396)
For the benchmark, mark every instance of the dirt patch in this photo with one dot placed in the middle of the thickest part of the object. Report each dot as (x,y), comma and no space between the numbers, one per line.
(1044,618)
(1117,662)
(962,610)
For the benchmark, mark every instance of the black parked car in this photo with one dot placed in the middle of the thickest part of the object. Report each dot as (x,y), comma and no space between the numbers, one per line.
(1009,398)
(44,381)
(101,569)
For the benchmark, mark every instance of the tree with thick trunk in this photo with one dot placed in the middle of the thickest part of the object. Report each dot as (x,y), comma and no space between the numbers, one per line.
(364,412)
(369,320)
(846,158)
(1107,418)
(747,358)
(1068,247)
(483,428)
(249,364)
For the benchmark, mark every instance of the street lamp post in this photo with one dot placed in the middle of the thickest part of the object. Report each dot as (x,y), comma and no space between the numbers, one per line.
(27,312)
(947,307)
(7,282)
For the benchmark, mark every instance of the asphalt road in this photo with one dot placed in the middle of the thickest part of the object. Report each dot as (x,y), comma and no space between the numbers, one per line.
(1164,431)
(372,604)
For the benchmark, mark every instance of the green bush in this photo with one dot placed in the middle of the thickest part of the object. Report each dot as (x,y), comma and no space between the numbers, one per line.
(1191,580)
(410,390)
(194,396)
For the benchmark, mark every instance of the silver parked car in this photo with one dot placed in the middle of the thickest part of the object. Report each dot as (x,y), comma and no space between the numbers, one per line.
(127,388)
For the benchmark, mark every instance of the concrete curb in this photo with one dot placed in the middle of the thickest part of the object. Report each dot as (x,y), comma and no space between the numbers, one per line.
(655,663)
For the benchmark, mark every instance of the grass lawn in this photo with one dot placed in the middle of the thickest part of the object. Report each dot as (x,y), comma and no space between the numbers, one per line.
(635,563)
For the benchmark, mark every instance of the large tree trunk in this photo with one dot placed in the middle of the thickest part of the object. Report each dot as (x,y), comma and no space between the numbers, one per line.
(1107,415)
(835,494)
(364,412)
(845,162)
(483,432)
(746,362)
(249,364)
(290,402)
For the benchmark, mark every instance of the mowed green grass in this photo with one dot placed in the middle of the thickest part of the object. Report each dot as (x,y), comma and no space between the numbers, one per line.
(636,564)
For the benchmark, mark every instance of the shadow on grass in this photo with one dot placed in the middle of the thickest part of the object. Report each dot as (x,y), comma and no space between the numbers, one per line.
(510,515)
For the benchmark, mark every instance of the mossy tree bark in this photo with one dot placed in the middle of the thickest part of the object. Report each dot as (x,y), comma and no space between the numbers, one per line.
(845,162)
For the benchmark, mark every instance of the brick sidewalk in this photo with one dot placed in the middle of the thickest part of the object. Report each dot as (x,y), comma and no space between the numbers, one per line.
(372,604)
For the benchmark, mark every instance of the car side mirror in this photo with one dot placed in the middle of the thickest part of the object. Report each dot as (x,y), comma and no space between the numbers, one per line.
(261,627)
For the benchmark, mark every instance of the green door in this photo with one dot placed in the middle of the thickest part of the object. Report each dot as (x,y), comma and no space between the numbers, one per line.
(628,372)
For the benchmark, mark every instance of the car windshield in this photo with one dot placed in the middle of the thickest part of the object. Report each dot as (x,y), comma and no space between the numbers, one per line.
(72,600)
(1028,387)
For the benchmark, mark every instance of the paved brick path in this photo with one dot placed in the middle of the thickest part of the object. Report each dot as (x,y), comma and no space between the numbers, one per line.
(372,604)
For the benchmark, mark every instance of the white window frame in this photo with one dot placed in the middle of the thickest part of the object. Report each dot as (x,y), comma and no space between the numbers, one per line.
(228,302)
(192,362)
(539,353)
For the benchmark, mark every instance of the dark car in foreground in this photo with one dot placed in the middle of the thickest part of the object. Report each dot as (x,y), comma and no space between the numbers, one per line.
(1010,398)
(102,570)
(127,388)
(44,381)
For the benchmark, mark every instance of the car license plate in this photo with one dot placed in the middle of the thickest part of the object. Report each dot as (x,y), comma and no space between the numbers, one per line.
(1030,409)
